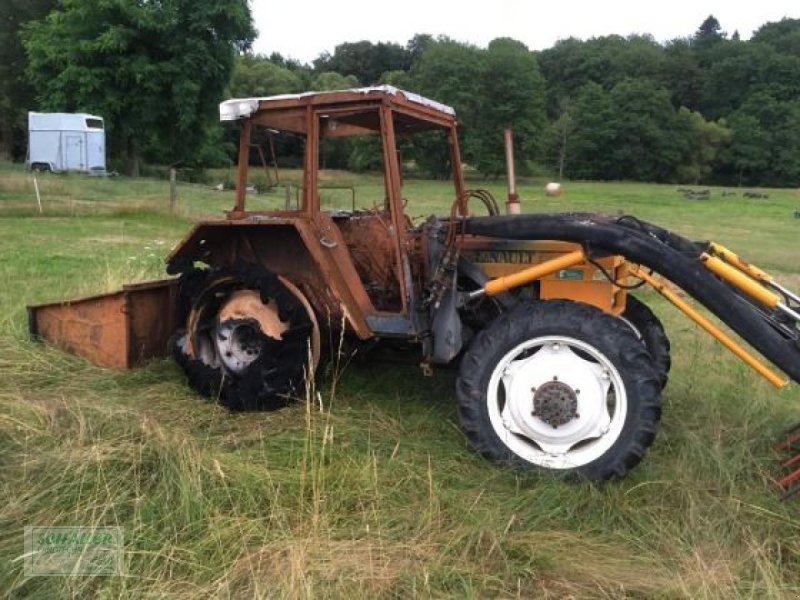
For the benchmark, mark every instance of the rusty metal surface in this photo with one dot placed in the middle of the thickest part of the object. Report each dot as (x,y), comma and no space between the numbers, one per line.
(241,172)
(397,234)
(247,304)
(287,108)
(789,476)
(311,253)
(370,245)
(121,329)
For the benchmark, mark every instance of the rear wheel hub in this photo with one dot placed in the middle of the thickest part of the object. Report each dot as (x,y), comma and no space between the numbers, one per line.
(555,403)
(238,343)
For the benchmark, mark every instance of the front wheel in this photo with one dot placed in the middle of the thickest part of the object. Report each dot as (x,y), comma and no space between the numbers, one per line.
(560,386)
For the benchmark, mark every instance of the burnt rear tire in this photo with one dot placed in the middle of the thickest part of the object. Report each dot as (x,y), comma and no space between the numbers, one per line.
(559,386)
(649,329)
(232,359)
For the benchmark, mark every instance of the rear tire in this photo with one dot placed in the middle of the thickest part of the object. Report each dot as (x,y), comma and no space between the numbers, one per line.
(560,386)
(649,329)
(247,337)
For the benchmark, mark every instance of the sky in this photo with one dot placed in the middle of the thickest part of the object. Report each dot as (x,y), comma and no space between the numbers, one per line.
(304,29)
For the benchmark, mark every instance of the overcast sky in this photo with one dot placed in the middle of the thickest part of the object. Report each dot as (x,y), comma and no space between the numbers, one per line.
(304,29)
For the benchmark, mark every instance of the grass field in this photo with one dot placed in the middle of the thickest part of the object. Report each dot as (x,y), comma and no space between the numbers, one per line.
(369,490)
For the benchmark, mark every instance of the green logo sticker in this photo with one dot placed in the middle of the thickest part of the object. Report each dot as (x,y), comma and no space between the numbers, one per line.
(571,274)
(73,551)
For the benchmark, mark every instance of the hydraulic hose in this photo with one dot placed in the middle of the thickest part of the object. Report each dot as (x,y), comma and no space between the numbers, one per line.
(664,252)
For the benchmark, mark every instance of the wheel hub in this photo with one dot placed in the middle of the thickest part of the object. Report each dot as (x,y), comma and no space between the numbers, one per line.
(239,343)
(555,403)
(244,322)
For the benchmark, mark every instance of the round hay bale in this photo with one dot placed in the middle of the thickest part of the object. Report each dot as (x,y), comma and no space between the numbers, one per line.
(553,189)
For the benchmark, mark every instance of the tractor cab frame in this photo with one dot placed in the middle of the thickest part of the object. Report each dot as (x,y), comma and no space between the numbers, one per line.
(352,265)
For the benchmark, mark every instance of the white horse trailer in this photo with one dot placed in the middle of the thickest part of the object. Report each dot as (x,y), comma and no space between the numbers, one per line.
(66,142)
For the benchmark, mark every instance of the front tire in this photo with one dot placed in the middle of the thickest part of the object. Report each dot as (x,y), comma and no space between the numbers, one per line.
(650,331)
(560,386)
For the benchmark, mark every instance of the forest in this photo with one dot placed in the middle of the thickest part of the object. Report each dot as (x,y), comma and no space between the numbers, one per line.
(710,107)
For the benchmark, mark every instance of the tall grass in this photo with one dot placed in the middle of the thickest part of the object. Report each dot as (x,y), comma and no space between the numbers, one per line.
(364,487)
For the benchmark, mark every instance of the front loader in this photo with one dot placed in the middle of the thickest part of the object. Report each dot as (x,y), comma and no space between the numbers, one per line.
(561,367)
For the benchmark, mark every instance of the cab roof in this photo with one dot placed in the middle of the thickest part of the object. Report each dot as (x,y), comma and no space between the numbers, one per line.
(238,108)
(284,111)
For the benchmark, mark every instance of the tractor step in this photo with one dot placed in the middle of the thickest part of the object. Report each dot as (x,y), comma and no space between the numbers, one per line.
(121,329)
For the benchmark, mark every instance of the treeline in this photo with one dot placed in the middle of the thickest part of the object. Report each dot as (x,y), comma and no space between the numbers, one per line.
(706,108)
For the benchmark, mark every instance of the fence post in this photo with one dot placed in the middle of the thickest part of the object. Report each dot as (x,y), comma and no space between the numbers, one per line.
(38,196)
(173,190)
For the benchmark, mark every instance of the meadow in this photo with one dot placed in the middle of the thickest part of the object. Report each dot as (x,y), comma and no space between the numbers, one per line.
(366,488)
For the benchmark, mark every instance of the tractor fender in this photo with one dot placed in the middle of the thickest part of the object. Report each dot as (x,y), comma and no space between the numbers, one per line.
(314,260)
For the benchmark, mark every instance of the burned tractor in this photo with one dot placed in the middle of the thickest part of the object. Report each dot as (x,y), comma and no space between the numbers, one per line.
(561,367)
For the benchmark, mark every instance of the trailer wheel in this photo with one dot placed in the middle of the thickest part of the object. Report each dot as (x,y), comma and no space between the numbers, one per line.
(649,329)
(560,386)
(250,338)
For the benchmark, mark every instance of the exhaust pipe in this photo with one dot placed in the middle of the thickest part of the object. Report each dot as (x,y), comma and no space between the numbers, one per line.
(512,206)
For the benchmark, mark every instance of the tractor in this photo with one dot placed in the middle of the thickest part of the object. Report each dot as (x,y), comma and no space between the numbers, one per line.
(560,366)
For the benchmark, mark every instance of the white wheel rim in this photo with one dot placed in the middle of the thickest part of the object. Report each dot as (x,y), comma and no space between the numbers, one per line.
(630,324)
(597,389)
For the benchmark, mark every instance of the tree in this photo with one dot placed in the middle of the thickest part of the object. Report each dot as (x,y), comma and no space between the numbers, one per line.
(399,79)
(705,139)
(738,70)
(560,131)
(511,92)
(594,134)
(649,144)
(16,94)
(709,32)
(450,72)
(330,80)
(491,90)
(259,76)
(764,148)
(364,60)
(630,132)
(417,45)
(155,70)
(683,76)
(570,64)
(292,64)
(783,35)
(748,151)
